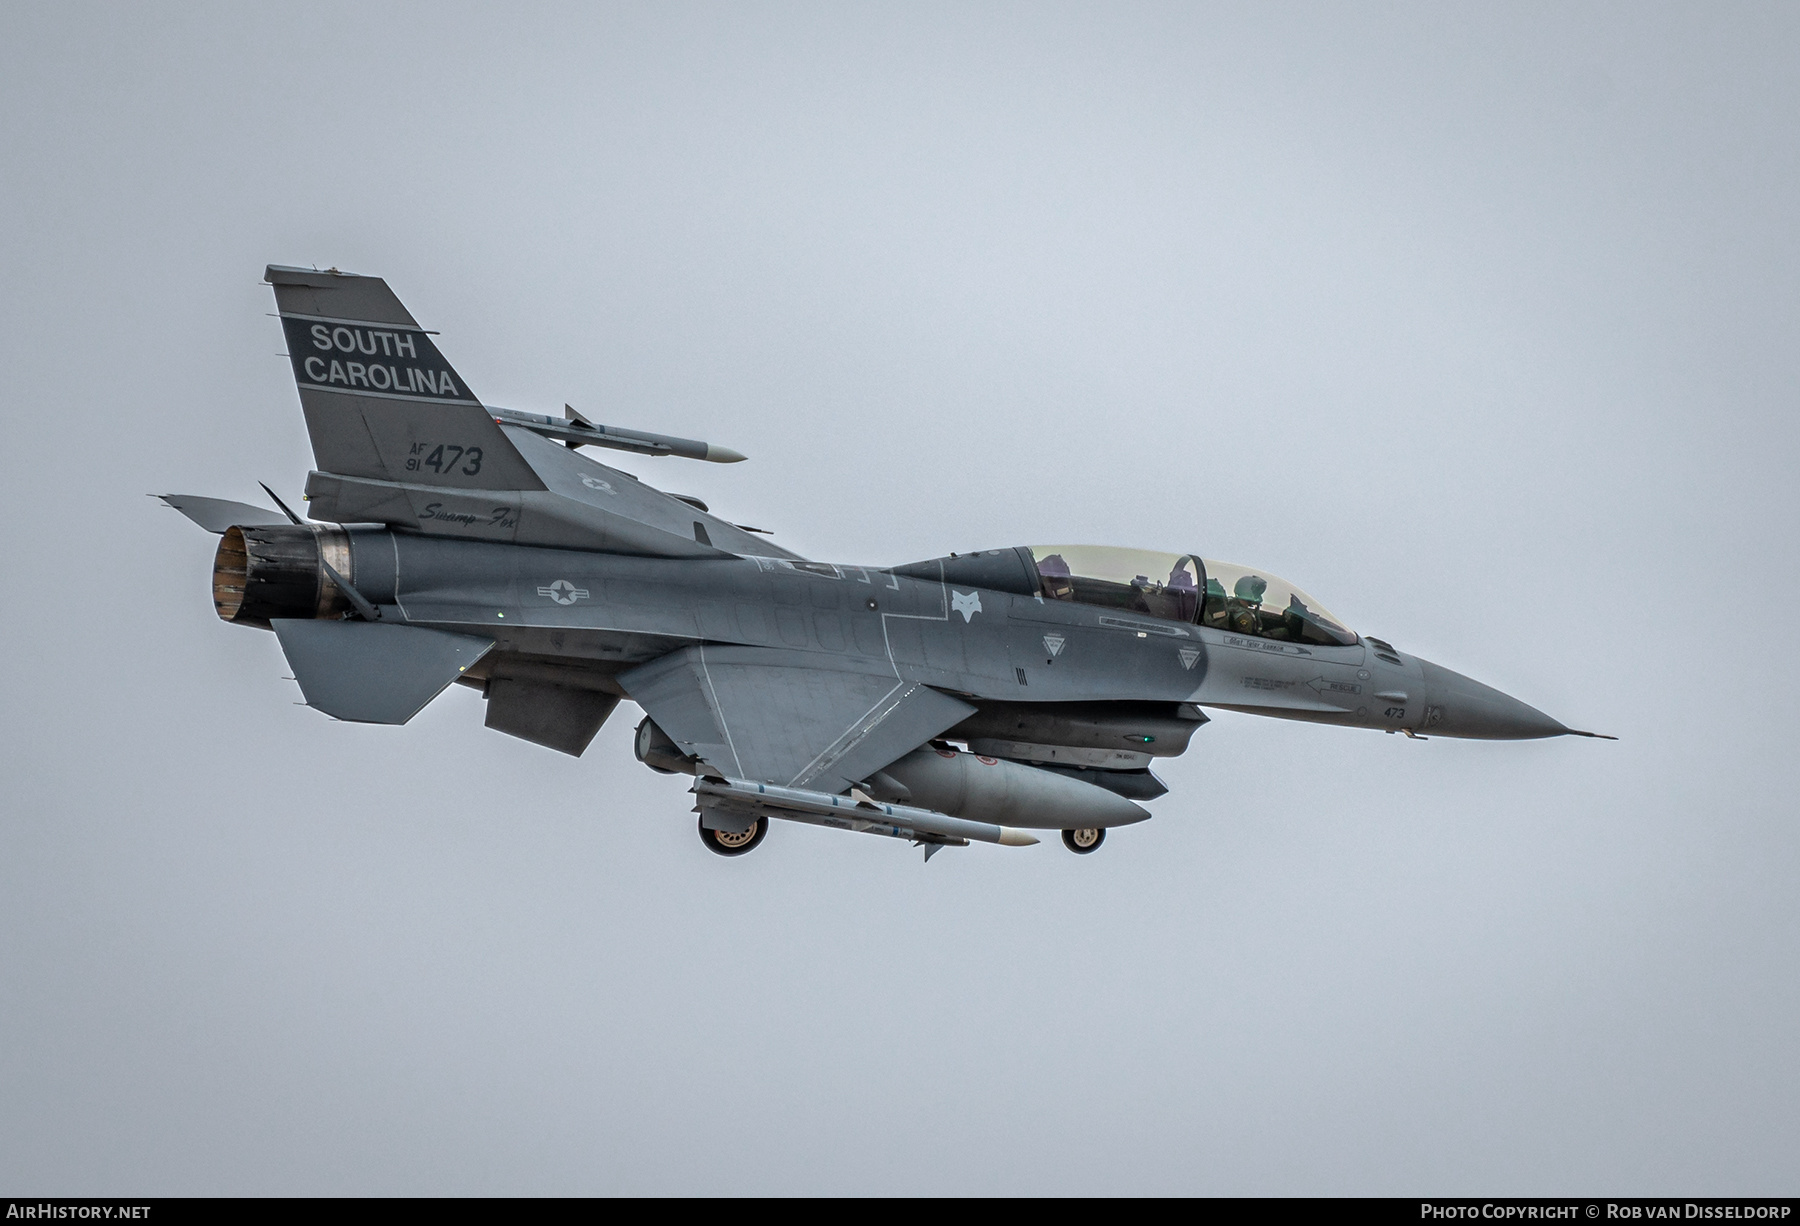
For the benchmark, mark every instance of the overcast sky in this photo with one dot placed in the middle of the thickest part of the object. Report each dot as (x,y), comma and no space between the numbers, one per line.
(1477,322)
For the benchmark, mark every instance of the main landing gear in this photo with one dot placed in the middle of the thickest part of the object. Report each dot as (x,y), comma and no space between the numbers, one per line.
(1083,841)
(729,843)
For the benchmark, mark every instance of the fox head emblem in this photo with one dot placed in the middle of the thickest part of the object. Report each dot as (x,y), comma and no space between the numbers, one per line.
(968,604)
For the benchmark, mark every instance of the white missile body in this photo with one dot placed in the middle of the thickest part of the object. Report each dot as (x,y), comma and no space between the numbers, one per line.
(752,800)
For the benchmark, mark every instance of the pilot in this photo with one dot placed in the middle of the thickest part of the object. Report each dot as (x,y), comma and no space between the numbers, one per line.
(1250,589)
(1183,591)
(1141,592)
(1241,613)
(1058,583)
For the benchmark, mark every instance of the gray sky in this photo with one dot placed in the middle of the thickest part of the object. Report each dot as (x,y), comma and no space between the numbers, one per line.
(1479,323)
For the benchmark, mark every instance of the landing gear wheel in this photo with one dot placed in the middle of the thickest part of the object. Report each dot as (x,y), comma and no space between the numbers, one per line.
(1083,841)
(726,843)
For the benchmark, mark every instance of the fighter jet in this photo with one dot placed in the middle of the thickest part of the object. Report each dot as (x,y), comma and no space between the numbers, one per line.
(980,697)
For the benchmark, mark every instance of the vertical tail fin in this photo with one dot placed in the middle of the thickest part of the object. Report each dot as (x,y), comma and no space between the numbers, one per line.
(380,401)
(400,439)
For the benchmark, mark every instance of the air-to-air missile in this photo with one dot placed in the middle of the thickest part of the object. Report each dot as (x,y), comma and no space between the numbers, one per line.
(969,698)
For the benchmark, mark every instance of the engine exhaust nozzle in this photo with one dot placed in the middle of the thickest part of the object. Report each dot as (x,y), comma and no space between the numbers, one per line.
(270,572)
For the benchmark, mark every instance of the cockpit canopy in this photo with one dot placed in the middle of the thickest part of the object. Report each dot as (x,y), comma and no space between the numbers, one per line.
(1169,585)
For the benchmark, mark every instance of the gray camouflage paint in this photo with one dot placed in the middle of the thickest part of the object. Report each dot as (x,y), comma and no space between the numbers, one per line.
(559,585)
(611,611)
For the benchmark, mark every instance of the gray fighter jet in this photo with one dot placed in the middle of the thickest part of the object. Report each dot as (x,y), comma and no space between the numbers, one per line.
(975,697)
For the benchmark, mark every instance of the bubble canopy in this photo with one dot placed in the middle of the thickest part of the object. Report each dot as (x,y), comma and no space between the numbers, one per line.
(1187,588)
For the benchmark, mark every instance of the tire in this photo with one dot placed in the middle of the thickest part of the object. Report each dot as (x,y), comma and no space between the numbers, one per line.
(1084,842)
(724,843)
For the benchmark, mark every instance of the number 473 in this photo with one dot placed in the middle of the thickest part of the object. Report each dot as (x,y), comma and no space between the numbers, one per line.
(444,459)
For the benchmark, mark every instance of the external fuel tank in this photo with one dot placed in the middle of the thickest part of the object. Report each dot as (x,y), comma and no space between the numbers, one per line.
(1007,793)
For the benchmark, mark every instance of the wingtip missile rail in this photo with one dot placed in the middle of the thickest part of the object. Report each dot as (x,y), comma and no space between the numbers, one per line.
(578,431)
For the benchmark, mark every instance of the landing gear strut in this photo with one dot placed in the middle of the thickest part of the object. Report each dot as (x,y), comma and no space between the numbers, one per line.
(730,843)
(1081,842)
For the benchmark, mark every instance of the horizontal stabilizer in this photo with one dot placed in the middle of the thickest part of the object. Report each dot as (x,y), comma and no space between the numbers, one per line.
(372,672)
(218,514)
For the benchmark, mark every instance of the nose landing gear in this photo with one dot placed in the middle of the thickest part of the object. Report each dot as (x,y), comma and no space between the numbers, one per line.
(732,843)
(1081,842)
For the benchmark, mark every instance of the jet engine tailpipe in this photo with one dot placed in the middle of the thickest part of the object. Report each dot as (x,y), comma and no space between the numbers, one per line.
(270,572)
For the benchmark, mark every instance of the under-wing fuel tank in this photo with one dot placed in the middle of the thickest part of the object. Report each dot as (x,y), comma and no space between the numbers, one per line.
(1006,793)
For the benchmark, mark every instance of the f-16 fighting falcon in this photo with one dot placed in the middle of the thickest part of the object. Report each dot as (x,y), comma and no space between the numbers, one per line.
(976,697)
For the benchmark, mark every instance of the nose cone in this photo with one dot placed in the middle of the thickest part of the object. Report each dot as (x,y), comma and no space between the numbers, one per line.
(1456,705)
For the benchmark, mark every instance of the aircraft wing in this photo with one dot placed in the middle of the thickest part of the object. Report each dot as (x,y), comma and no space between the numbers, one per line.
(788,717)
